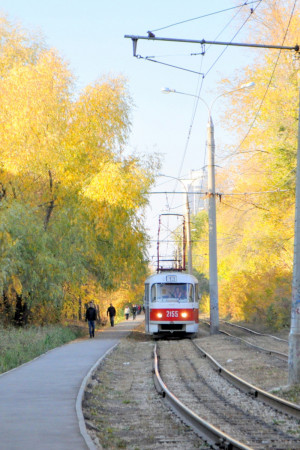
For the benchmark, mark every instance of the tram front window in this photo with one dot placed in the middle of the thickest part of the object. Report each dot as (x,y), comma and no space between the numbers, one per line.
(165,292)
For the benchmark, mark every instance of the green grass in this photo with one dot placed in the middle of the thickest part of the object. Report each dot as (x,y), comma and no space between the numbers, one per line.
(20,345)
(292,394)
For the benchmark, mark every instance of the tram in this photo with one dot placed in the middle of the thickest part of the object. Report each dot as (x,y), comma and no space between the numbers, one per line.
(171,304)
(171,298)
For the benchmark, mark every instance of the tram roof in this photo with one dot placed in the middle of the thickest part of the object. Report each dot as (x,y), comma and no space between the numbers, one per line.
(171,277)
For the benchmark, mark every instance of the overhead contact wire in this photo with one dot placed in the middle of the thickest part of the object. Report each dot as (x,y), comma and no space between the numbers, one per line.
(238,31)
(206,15)
(204,75)
(271,78)
(198,95)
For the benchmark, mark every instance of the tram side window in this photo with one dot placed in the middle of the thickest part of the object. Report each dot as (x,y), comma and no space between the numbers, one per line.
(153,293)
(190,288)
(146,294)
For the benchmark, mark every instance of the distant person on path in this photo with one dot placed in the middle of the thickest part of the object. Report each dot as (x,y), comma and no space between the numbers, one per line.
(134,309)
(111,312)
(127,312)
(91,316)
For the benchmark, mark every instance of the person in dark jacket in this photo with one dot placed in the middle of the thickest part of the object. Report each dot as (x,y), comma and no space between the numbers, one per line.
(111,312)
(134,311)
(91,316)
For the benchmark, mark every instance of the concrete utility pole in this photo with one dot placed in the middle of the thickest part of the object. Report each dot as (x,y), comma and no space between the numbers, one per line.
(294,337)
(212,219)
(212,222)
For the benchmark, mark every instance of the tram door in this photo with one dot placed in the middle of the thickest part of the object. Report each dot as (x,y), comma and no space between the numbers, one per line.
(147,309)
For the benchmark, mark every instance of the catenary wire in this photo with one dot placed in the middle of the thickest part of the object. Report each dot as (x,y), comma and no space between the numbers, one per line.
(146,58)
(220,33)
(269,83)
(191,124)
(206,15)
(199,91)
(238,31)
(198,95)
(196,103)
(210,45)
(205,148)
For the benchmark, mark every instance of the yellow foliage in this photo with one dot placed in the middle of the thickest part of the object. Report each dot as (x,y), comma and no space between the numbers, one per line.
(16,284)
(255,220)
(78,299)
(34,114)
(72,214)
(117,185)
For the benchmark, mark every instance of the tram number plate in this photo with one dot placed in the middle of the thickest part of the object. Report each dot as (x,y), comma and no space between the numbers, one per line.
(172,313)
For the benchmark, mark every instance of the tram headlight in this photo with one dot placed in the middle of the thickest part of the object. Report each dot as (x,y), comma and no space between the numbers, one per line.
(159,315)
(184,314)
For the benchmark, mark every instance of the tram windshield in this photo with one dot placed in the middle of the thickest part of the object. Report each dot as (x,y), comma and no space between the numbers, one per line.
(167,292)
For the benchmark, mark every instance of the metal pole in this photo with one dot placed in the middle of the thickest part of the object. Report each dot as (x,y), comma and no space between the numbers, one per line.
(213,269)
(189,240)
(294,337)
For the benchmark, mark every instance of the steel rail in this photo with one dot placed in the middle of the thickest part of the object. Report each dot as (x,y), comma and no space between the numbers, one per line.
(207,431)
(283,356)
(257,347)
(269,399)
(255,332)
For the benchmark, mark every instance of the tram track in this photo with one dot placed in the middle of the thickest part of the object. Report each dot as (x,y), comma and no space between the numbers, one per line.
(236,420)
(266,343)
(249,330)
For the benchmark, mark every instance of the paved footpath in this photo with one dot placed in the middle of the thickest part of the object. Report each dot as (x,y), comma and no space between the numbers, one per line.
(40,401)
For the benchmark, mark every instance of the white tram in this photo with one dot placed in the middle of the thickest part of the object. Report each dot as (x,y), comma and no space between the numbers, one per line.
(171,304)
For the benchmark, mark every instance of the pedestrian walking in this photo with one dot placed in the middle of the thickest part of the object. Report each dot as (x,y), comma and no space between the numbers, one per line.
(134,309)
(90,317)
(127,312)
(111,312)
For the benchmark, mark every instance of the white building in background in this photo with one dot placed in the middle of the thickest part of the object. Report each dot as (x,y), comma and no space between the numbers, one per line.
(197,183)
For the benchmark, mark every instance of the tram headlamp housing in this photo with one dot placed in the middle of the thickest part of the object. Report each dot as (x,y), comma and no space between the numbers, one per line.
(159,315)
(184,314)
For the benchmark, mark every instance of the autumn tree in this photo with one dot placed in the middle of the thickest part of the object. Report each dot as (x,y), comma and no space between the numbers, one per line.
(70,201)
(256,217)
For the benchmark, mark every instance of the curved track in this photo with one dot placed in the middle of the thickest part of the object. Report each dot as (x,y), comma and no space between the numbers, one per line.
(225,416)
(253,331)
(267,343)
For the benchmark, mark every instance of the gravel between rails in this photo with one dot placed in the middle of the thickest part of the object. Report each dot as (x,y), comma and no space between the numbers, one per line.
(121,406)
(199,387)
(267,342)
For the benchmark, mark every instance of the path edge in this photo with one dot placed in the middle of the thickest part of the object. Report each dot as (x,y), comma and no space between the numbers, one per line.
(83,430)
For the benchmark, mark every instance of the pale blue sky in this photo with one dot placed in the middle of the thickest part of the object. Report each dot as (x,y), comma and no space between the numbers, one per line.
(89,35)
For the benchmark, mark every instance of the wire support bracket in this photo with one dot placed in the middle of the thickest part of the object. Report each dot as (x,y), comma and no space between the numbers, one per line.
(202,42)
